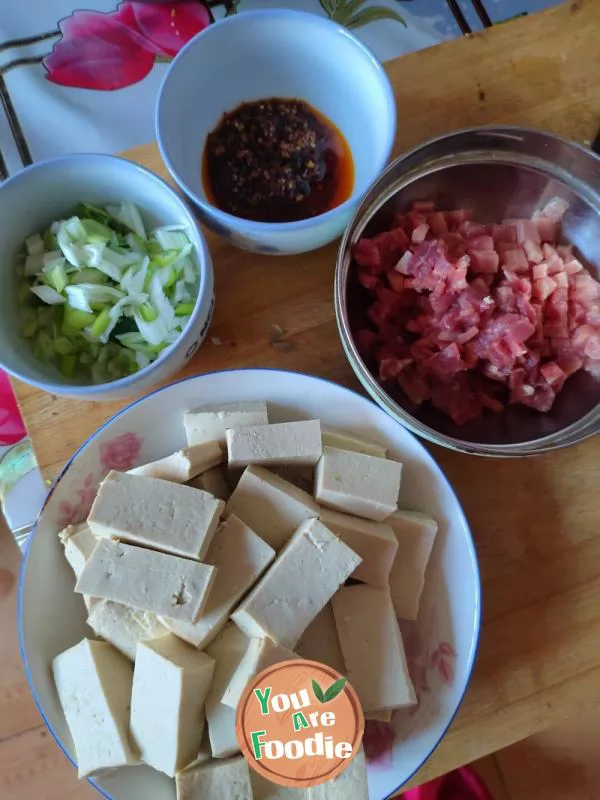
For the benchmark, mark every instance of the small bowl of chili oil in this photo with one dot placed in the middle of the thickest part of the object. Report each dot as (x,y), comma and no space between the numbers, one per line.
(275,123)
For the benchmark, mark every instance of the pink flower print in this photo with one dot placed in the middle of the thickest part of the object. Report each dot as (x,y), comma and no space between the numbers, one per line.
(121,452)
(72,513)
(12,429)
(168,26)
(441,659)
(378,742)
(99,51)
(108,51)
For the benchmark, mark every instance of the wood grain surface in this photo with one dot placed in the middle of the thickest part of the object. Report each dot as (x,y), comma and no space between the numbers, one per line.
(535,522)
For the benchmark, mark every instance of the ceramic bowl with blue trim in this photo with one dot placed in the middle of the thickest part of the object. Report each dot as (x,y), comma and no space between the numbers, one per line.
(284,54)
(440,646)
(46,191)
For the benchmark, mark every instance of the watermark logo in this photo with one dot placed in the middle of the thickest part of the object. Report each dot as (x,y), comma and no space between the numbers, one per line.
(299,723)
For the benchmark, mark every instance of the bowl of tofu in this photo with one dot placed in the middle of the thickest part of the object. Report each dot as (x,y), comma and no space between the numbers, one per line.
(219,526)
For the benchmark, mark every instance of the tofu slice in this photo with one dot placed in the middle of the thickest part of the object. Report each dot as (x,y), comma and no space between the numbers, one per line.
(183,465)
(168,586)
(352,784)
(261,653)
(221,780)
(320,641)
(306,574)
(416,534)
(79,543)
(209,423)
(374,542)
(372,647)
(152,624)
(358,484)
(205,753)
(284,443)
(302,477)
(240,558)
(171,681)
(228,650)
(265,790)
(343,440)
(270,505)
(155,513)
(120,625)
(214,482)
(93,682)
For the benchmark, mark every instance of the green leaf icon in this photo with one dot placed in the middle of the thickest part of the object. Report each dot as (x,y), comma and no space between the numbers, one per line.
(335,689)
(318,692)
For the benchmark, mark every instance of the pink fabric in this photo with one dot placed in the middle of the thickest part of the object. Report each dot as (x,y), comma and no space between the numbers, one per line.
(462,784)
(12,429)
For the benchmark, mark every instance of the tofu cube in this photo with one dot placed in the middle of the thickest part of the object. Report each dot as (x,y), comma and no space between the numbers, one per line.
(296,443)
(183,465)
(261,653)
(120,625)
(343,440)
(93,682)
(372,647)
(79,543)
(164,585)
(221,780)
(270,505)
(415,533)
(214,482)
(306,574)
(171,681)
(210,423)
(374,542)
(155,513)
(358,484)
(240,558)
(228,651)
(265,790)
(320,641)
(352,784)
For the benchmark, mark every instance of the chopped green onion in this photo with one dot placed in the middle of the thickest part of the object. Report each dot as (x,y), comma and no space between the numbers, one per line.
(57,277)
(64,346)
(34,244)
(102,296)
(147,313)
(33,264)
(68,365)
(76,319)
(101,323)
(50,242)
(48,295)
(89,275)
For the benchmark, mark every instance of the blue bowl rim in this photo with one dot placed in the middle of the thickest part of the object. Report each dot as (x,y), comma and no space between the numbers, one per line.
(245,226)
(476,637)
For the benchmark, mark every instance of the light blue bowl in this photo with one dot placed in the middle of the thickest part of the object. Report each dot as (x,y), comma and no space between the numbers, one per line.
(275,53)
(45,192)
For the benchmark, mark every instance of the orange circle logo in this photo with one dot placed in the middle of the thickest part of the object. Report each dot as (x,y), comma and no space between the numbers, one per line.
(299,723)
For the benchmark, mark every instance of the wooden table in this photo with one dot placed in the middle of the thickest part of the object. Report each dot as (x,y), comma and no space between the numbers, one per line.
(535,522)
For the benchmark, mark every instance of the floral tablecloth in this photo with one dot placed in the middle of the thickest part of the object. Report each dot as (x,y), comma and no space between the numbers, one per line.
(82,75)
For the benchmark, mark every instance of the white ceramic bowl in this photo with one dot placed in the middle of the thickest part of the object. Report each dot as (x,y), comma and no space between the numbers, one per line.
(39,194)
(440,647)
(275,53)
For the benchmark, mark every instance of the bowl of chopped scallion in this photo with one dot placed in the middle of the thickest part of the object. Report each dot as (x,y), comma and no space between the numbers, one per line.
(110,286)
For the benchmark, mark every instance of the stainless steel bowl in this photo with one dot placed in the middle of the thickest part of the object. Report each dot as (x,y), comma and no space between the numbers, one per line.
(501,173)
